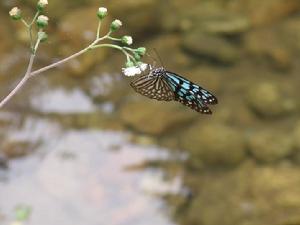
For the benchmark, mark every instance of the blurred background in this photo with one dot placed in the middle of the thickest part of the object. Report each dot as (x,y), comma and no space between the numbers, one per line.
(79,146)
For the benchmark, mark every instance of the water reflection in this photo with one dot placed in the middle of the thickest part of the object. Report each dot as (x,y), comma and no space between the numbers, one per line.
(75,178)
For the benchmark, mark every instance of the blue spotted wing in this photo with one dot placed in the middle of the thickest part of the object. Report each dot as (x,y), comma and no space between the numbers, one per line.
(190,94)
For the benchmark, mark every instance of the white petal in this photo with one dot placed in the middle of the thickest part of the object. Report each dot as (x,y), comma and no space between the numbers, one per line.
(143,66)
(131,71)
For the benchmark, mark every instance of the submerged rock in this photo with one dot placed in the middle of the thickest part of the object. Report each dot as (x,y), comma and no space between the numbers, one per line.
(156,118)
(296,138)
(275,52)
(211,47)
(165,44)
(246,195)
(271,11)
(15,149)
(268,100)
(225,24)
(214,144)
(270,146)
(138,17)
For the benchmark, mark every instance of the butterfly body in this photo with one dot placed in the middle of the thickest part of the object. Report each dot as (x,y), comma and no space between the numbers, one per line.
(164,85)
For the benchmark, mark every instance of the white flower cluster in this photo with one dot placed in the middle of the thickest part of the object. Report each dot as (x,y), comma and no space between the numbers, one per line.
(134,70)
(44,2)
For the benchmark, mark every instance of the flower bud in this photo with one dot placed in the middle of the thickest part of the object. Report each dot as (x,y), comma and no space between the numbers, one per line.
(15,13)
(115,25)
(141,51)
(129,64)
(102,12)
(42,4)
(127,40)
(137,56)
(42,21)
(42,36)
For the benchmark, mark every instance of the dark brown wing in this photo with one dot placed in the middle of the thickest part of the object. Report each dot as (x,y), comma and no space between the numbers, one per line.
(153,87)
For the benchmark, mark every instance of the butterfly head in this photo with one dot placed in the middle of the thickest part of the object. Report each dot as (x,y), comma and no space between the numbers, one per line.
(159,71)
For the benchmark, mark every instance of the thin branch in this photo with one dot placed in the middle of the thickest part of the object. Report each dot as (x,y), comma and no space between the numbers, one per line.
(114,39)
(20,84)
(91,46)
(98,29)
(36,72)
(30,74)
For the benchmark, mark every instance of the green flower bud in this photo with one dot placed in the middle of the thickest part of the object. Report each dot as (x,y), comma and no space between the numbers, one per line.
(137,56)
(42,21)
(42,4)
(115,25)
(102,12)
(141,51)
(42,36)
(15,13)
(127,40)
(129,64)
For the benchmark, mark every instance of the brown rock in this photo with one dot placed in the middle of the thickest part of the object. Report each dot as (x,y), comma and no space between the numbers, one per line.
(214,144)
(156,118)
(270,146)
(268,100)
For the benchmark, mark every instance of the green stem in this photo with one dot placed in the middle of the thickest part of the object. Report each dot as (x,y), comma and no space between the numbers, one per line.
(128,56)
(30,30)
(25,23)
(114,39)
(34,18)
(36,45)
(129,49)
(98,30)
(91,46)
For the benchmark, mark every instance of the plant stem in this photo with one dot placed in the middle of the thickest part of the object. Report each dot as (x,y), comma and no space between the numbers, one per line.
(98,29)
(34,18)
(30,30)
(114,39)
(36,72)
(25,23)
(116,47)
(91,46)
(30,74)
(20,84)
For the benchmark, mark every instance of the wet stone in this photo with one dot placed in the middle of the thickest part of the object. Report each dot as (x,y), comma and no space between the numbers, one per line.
(214,144)
(206,77)
(211,47)
(268,100)
(135,18)
(16,149)
(169,43)
(156,118)
(276,52)
(296,138)
(273,10)
(247,195)
(226,24)
(270,146)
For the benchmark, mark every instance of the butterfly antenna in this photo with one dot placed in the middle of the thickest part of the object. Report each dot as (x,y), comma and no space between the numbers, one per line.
(158,56)
(153,59)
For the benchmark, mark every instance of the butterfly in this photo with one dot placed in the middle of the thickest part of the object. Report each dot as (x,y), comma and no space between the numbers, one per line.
(164,85)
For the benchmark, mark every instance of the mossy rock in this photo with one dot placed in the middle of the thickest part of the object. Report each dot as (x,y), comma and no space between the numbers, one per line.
(214,144)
